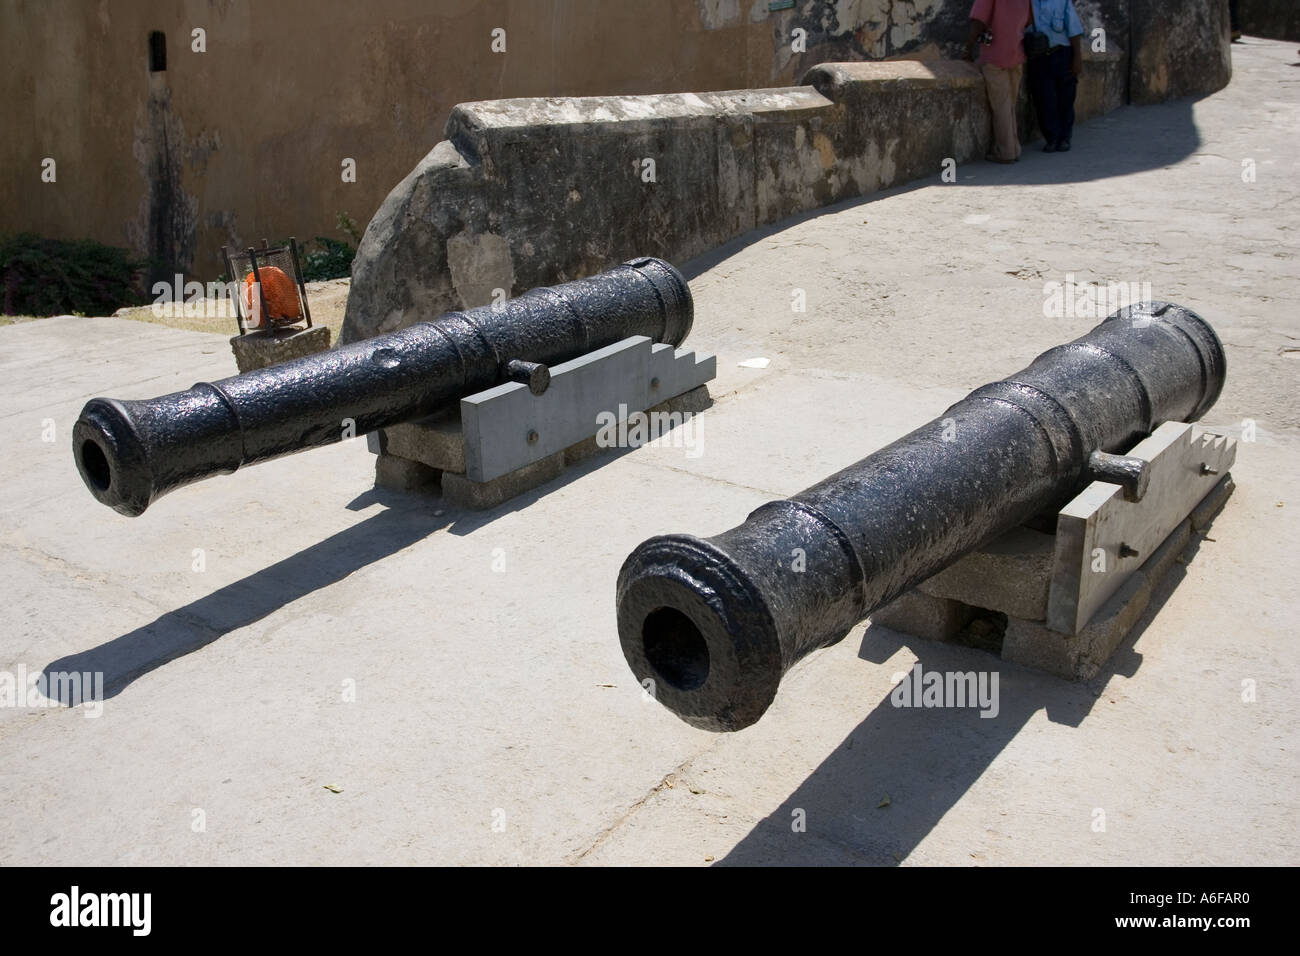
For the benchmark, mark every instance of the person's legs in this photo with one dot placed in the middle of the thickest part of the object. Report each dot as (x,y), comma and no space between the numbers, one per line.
(1002,102)
(1067,86)
(1043,91)
(1013,95)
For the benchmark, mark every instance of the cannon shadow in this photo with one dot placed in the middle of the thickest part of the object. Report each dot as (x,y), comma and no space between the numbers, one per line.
(408,517)
(924,759)
(464,522)
(187,629)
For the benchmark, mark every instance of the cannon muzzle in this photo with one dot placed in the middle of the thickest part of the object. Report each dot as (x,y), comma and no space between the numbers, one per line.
(716,622)
(131,452)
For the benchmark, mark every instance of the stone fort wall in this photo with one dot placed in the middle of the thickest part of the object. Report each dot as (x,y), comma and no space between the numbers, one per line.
(268,119)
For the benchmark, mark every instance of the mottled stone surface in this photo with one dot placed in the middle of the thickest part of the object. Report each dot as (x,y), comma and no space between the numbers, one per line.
(435,442)
(923,615)
(259,349)
(405,475)
(534,192)
(400,274)
(482,495)
(1103,86)
(1277,19)
(531,192)
(1186,53)
(1011,574)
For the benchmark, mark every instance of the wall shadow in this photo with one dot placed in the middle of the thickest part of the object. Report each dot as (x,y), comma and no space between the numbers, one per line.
(1127,140)
(923,760)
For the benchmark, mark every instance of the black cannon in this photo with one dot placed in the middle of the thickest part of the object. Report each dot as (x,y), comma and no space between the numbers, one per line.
(716,622)
(131,452)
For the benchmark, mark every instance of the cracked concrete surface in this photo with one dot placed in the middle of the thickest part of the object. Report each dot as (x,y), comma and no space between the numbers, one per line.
(270,633)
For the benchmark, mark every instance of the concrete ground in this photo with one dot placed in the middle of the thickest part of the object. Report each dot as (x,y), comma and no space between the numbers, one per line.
(302,670)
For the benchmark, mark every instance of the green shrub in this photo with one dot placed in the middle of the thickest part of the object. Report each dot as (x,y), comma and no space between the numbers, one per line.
(326,258)
(58,276)
(348,226)
(329,259)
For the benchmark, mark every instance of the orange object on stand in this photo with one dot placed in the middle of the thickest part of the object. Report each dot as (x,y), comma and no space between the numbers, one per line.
(278,292)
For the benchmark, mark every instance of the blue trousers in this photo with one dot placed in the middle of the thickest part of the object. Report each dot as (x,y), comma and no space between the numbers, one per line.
(1053,88)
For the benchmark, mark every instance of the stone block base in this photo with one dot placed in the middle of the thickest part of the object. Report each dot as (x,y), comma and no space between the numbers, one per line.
(263,348)
(429,456)
(405,475)
(482,495)
(976,600)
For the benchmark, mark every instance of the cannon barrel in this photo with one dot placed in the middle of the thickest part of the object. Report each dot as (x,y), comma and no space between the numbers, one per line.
(716,622)
(131,452)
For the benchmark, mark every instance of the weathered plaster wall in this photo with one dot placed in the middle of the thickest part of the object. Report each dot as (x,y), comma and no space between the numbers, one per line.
(246,139)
